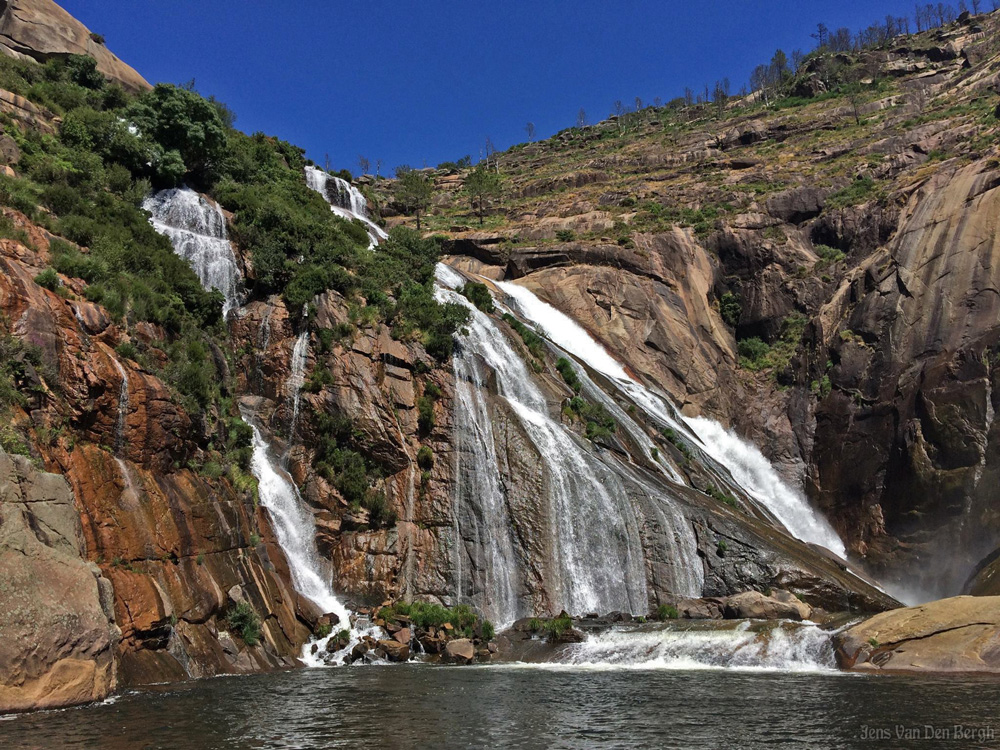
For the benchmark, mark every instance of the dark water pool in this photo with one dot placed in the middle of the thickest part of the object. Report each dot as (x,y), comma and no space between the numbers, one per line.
(504,707)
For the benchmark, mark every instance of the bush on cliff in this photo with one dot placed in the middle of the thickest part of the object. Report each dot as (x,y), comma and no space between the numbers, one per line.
(245,622)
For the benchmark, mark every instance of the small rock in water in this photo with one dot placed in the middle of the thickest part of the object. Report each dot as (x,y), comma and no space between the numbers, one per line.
(394,651)
(460,651)
(402,636)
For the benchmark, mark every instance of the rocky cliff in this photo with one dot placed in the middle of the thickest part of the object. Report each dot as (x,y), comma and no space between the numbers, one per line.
(57,620)
(178,548)
(818,274)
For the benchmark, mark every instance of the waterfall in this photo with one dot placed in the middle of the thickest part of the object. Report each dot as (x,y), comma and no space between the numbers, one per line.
(757,476)
(295,528)
(778,646)
(593,521)
(345,200)
(479,478)
(296,379)
(743,460)
(197,230)
(121,420)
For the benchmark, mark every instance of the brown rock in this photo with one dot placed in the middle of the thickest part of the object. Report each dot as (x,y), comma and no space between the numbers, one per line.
(402,636)
(57,631)
(961,634)
(394,651)
(39,30)
(755,605)
(460,651)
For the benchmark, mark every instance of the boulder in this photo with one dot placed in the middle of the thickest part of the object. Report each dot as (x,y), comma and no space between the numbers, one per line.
(754,605)
(40,30)
(798,205)
(957,635)
(402,636)
(394,651)
(460,651)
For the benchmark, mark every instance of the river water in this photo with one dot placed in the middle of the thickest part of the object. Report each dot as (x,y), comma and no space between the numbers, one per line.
(416,706)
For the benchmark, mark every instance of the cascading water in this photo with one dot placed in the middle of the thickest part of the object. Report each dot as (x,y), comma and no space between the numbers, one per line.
(197,230)
(593,519)
(777,646)
(120,422)
(744,461)
(345,200)
(758,477)
(295,529)
(296,380)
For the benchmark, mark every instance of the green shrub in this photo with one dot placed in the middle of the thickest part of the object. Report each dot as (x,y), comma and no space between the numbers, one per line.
(245,622)
(127,350)
(565,235)
(860,190)
(425,408)
(479,295)
(599,423)
(675,440)
(532,340)
(568,372)
(829,254)
(667,612)
(753,353)
(425,458)
(48,279)
(425,615)
(722,497)
(488,631)
(730,309)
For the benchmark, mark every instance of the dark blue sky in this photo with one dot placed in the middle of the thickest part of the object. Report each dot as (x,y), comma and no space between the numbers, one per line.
(425,81)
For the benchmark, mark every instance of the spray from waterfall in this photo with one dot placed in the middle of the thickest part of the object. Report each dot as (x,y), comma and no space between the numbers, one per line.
(744,461)
(345,200)
(197,230)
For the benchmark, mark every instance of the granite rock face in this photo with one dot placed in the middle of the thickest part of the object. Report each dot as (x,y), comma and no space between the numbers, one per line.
(957,635)
(57,623)
(41,30)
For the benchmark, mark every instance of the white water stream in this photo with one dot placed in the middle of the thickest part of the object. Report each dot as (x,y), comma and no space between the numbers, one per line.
(345,200)
(747,465)
(197,230)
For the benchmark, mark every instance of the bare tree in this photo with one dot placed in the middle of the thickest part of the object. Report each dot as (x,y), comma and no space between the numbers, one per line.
(364,164)
(688,97)
(720,97)
(490,154)
(530,130)
(797,57)
(918,15)
(977,6)
(326,163)
(620,111)
(378,167)
(581,118)
(822,35)
(638,104)
(657,102)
